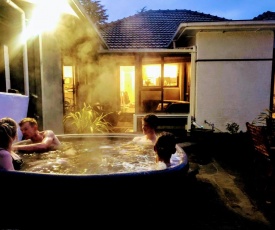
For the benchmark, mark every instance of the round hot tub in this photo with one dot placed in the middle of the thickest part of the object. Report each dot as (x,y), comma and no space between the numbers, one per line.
(61,187)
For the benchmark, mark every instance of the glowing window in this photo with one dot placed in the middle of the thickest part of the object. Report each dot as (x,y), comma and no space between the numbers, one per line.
(151,75)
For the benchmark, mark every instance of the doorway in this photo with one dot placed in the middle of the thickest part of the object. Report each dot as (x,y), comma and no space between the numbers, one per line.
(127,89)
(68,89)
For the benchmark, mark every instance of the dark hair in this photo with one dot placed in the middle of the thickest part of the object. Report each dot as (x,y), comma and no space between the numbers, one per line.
(31,120)
(12,123)
(151,120)
(165,145)
(8,131)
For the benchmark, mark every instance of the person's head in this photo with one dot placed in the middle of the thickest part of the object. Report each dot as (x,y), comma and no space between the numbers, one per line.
(28,127)
(149,123)
(8,132)
(165,146)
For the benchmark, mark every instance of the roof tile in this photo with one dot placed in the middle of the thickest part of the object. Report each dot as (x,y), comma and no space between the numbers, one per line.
(151,29)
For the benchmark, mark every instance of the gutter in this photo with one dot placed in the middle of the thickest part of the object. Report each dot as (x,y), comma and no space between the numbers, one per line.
(135,51)
(192,28)
(25,52)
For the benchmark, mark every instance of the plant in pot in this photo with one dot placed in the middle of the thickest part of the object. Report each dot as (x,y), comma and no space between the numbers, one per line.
(86,120)
(233,134)
(265,119)
(232,127)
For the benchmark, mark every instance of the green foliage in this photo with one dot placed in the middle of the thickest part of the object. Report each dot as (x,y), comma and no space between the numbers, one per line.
(95,10)
(86,120)
(143,9)
(232,127)
(261,119)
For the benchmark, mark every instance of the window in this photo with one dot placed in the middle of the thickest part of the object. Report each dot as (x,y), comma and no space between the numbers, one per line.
(151,75)
(171,75)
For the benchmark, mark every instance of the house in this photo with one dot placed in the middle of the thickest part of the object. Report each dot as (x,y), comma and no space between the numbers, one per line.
(223,68)
(156,75)
(180,64)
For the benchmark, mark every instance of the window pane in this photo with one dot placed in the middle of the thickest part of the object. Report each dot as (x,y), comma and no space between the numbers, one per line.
(151,75)
(171,75)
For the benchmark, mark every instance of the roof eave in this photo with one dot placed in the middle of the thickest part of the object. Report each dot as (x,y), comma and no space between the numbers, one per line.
(192,28)
(135,51)
(80,12)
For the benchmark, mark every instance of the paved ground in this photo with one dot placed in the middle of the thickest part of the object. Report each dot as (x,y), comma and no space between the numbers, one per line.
(222,197)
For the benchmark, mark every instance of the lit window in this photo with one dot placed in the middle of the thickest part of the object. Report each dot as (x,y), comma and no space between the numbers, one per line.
(151,75)
(170,75)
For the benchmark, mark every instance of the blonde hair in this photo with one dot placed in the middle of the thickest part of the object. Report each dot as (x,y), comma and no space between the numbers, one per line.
(31,120)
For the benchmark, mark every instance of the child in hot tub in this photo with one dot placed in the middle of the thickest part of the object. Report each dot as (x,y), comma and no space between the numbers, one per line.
(165,148)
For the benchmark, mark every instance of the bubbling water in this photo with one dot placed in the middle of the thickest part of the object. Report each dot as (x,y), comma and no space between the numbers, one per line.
(93,156)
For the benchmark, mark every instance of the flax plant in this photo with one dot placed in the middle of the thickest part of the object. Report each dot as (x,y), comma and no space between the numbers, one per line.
(86,120)
(263,118)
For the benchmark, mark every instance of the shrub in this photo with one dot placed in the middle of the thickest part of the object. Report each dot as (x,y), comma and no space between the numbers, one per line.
(232,127)
(86,120)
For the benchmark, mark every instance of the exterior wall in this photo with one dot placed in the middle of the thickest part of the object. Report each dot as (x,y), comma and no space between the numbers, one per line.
(233,77)
(51,84)
(107,87)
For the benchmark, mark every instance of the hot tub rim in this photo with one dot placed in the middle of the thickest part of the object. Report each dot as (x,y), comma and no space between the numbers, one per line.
(181,167)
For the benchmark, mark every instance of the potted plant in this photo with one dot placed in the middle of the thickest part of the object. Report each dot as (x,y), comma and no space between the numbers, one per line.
(264,118)
(86,120)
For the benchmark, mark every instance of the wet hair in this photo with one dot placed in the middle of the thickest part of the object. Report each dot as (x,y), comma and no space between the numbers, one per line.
(8,131)
(12,123)
(31,120)
(151,120)
(165,145)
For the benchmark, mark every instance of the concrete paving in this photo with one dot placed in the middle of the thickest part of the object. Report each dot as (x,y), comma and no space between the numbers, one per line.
(224,188)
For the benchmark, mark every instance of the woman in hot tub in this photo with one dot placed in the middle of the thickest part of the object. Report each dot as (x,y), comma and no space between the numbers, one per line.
(149,126)
(8,134)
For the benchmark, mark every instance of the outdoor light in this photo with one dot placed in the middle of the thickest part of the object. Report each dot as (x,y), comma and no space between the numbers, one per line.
(67,71)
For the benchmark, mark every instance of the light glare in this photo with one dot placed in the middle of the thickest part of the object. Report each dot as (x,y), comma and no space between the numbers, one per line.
(45,17)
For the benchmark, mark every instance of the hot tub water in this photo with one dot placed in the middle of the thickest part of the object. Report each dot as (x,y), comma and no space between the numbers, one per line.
(93,156)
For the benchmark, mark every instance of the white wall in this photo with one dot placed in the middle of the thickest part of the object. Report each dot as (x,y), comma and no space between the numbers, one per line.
(229,87)
(51,84)
(14,106)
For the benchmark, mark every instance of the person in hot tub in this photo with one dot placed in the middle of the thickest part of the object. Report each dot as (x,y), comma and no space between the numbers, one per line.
(35,140)
(149,126)
(165,148)
(8,134)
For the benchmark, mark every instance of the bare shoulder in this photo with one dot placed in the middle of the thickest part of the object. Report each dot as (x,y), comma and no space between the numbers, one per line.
(50,133)
(138,138)
(47,133)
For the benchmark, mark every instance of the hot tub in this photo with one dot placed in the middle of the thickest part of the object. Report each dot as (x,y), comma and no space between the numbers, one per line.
(37,194)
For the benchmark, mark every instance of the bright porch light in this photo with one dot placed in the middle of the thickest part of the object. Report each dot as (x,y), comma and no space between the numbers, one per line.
(45,16)
(67,71)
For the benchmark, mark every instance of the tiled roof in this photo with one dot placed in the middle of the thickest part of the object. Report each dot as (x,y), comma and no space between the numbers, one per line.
(152,29)
(268,15)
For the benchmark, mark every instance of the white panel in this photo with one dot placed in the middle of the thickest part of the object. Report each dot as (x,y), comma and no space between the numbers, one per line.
(232,92)
(235,45)
(14,106)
